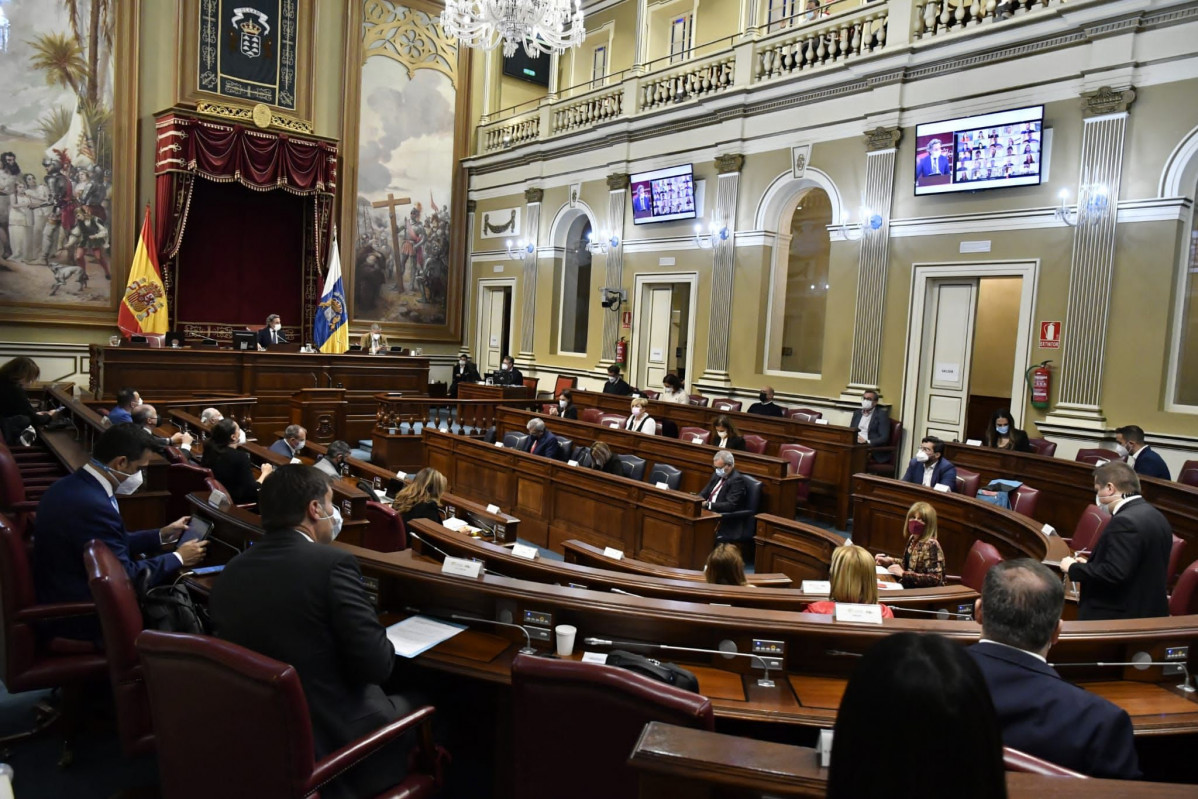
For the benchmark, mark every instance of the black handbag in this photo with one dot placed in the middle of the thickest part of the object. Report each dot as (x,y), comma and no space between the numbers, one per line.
(170,608)
(668,673)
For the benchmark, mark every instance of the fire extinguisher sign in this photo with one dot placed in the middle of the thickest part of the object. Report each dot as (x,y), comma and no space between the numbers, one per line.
(1050,335)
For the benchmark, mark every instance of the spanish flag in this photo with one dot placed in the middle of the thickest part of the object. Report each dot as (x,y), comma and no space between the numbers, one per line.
(143,309)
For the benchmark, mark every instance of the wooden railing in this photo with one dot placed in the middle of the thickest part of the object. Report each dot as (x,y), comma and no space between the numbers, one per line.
(409,416)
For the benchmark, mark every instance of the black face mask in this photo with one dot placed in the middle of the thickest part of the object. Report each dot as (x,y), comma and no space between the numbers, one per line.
(763,397)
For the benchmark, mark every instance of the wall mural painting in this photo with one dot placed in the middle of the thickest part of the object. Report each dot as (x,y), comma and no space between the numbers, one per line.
(56,153)
(404,220)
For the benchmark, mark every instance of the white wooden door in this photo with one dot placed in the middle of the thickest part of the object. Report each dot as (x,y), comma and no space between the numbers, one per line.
(654,352)
(491,331)
(945,359)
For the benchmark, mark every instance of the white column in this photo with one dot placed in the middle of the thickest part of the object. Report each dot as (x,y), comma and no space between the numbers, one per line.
(719,325)
(554,78)
(641,53)
(468,277)
(532,217)
(617,187)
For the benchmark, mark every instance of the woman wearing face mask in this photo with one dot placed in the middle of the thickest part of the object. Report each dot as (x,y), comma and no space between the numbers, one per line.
(674,391)
(922,563)
(565,406)
(725,435)
(1001,433)
(230,465)
(639,420)
(421,498)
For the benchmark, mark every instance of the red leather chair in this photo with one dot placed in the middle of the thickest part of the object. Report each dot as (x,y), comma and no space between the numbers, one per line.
(755,444)
(121,621)
(968,482)
(31,663)
(694,435)
(804,414)
(882,460)
(576,724)
(385,531)
(563,383)
(530,383)
(727,405)
(1179,544)
(613,419)
(699,400)
(1015,760)
(1189,473)
(979,560)
(18,499)
(1024,500)
(592,415)
(248,733)
(1042,446)
(800,461)
(1184,599)
(183,479)
(651,394)
(1093,456)
(1089,529)
(212,484)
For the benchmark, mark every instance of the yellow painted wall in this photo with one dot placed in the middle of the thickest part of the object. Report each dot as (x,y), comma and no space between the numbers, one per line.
(994,332)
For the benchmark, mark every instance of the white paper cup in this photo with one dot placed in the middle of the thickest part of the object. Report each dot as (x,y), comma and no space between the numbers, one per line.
(565,639)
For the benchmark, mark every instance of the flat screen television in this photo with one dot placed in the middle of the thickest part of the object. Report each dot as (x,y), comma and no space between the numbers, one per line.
(990,151)
(534,70)
(663,195)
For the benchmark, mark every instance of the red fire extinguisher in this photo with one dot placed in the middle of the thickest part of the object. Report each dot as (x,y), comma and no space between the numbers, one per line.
(1039,379)
(622,351)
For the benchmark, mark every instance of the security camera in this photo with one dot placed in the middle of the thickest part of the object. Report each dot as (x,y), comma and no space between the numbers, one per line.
(613,298)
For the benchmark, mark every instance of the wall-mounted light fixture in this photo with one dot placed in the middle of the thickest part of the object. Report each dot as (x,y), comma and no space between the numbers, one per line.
(869,219)
(516,250)
(713,236)
(1092,204)
(601,243)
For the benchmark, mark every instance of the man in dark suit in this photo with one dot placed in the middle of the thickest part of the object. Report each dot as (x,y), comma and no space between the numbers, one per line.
(541,441)
(1124,578)
(272,333)
(872,423)
(464,372)
(509,375)
(765,405)
(933,163)
(1146,462)
(726,491)
(1041,714)
(930,468)
(126,400)
(295,438)
(145,416)
(83,506)
(616,384)
(317,617)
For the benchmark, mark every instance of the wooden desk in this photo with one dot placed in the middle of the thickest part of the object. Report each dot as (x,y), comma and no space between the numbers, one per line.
(482,391)
(800,551)
(778,489)
(838,455)
(556,502)
(1067,487)
(685,763)
(273,377)
(880,508)
(500,560)
(585,554)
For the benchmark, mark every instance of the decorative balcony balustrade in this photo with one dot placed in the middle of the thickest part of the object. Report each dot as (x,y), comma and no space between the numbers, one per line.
(590,110)
(706,77)
(511,133)
(409,416)
(940,17)
(828,42)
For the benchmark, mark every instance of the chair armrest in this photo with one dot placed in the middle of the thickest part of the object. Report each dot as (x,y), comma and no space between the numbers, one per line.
(348,756)
(57,610)
(24,506)
(952,578)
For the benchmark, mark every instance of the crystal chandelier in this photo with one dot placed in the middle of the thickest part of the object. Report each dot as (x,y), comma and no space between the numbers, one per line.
(543,26)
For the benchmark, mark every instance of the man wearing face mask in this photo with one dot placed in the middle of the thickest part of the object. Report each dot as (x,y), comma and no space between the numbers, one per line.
(725,492)
(765,404)
(1124,578)
(873,424)
(334,459)
(463,372)
(508,375)
(295,438)
(317,617)
(616,384)
(541,441)
(146,416)
(374,342)
(930,468)
(83,506)
(1130,442)
(272,333)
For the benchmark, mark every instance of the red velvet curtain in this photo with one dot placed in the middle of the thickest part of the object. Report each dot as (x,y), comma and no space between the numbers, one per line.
(189,147)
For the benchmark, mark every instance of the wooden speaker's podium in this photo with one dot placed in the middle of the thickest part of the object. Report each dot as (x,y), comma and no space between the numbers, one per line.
(321,411)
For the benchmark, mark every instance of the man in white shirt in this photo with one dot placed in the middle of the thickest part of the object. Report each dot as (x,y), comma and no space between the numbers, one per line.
(873,424)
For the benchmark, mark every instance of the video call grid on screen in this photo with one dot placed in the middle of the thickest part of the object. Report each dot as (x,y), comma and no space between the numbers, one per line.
(974,155)
(663,195)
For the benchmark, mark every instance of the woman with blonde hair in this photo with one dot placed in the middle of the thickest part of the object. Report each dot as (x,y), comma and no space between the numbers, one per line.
(922,563)
(639,420)
(853,580)
(725,566)
(421,498)
(603,459)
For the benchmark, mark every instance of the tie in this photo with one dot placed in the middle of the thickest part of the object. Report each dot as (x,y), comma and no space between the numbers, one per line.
(274,337)
(115,506)
(715,491)
(533,449)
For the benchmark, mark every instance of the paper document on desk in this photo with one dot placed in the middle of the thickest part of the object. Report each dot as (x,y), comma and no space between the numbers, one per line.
(881,570)
(455,524)
(885,586)
(418,634)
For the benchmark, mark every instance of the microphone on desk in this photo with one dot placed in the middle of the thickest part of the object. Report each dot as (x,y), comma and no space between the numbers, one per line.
(525,650)
(1141,661)
(625,593)
(940,613)
(315,379)
(329,378)
(840,653)
(429,544)
(764,682)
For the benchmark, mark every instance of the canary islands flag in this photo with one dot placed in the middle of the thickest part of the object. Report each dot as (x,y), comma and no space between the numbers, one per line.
(143,308)
(332,319)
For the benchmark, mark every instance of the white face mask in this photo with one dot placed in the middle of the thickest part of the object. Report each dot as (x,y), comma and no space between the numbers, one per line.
(1122,450)
(462,364)
(637,411)
(719,472)
(866,403)
(563,402)
(507,367)
(612,379)
(922,456)
(129,482)
(374,336)
(241,439)
(337,521)
(276,326)
(299,445)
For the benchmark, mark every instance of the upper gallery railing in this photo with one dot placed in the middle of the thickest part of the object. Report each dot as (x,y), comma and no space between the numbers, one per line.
(807,42)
